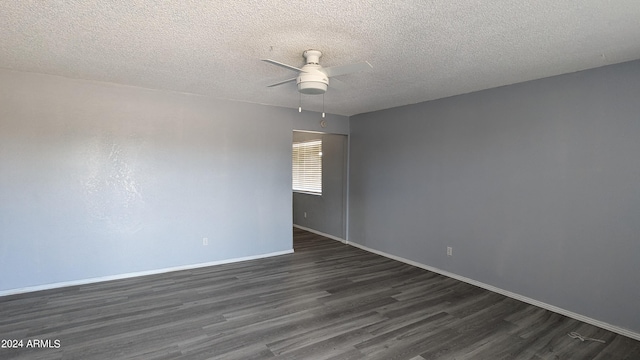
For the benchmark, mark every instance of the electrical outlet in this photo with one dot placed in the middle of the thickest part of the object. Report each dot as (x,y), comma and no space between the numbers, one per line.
(449,251)
(205,241)
(305,214)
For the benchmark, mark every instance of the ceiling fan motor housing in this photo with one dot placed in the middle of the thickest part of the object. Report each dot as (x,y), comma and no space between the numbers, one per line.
(312,81)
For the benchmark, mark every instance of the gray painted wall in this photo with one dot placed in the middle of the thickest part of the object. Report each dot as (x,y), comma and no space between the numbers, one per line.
(98,179)
(325,213)
(536,186)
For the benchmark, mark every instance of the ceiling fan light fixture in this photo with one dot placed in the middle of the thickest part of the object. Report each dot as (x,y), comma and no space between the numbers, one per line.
(313,82)
(312,87)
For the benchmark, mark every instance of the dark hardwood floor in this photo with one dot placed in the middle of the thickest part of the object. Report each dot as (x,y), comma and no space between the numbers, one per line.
(326,301)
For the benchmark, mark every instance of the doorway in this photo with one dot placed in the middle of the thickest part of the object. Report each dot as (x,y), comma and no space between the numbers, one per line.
(325,213)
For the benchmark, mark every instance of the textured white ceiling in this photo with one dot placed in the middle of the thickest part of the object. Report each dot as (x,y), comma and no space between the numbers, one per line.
(420,49)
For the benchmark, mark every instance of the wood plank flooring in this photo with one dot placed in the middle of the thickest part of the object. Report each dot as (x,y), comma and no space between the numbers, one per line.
(325,301)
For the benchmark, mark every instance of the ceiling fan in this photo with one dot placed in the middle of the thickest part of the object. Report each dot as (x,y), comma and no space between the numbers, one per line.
(312,78)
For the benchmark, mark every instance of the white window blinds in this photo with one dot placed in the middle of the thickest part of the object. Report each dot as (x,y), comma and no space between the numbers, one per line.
(307,166)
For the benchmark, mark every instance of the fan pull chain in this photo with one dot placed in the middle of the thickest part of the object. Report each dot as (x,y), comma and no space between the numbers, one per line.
(323,105)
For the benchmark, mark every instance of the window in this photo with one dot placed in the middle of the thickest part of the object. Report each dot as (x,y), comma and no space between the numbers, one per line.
(307,167)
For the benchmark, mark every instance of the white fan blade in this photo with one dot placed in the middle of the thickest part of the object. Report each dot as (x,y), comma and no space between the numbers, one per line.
(346,69)
(282,82)
(337,84)
(282,65)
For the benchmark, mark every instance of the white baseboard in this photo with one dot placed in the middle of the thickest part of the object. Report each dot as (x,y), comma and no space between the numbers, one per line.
(588,320)
(136,274)
(320,233)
